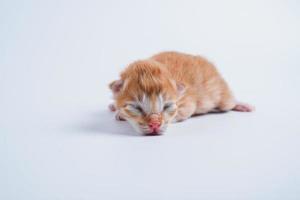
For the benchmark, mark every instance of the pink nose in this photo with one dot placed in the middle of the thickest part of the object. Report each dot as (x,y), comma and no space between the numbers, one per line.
(154,126)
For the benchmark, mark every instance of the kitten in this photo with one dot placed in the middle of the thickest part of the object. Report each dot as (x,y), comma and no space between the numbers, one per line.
(170,87)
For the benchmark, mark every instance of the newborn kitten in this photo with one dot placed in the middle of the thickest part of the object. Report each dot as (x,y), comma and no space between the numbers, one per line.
(170,87)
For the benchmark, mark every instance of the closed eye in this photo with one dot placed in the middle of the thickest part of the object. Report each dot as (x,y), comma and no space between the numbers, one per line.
(169,106)
(139,108)
(134,108)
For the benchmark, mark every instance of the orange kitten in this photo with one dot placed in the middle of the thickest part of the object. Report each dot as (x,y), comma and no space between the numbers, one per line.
(170,87)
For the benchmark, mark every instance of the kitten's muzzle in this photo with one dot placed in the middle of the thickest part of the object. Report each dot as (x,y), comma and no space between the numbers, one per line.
(154,124)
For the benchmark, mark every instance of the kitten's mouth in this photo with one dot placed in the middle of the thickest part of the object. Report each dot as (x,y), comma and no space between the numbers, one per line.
(154,133)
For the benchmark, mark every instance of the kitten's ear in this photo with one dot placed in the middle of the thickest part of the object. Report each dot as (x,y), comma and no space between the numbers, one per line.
(180,88)
(116,86)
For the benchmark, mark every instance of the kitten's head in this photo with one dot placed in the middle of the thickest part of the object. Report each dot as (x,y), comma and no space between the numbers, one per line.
(146,96)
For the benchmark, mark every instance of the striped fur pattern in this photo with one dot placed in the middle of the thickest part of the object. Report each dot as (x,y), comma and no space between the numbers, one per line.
(170,87)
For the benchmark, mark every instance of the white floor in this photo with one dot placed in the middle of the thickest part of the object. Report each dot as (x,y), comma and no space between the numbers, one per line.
(58,140)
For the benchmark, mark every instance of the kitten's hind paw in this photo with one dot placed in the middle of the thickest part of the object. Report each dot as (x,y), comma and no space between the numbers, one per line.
(243,107)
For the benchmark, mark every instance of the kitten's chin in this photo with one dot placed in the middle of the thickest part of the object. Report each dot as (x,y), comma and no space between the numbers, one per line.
(151,133)
(161,131)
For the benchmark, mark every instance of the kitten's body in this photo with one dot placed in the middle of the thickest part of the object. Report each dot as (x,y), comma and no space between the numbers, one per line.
(205,88)
(192,82)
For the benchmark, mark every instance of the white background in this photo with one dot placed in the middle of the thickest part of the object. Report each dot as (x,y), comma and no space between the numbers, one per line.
(58,140)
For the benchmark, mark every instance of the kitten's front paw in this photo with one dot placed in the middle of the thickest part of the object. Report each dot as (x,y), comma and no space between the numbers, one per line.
(119,117)
(179,119)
